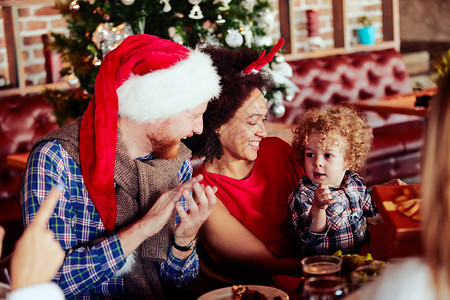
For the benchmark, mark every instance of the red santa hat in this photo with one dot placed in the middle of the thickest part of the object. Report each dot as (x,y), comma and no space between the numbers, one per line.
(145,78)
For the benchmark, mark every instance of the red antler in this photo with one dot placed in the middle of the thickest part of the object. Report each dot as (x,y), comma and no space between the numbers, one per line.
(263,60)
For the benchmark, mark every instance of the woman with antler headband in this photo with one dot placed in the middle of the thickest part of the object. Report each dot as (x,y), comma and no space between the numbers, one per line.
(250,227)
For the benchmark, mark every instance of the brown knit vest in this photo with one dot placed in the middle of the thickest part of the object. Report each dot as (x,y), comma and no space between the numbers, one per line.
(138,186)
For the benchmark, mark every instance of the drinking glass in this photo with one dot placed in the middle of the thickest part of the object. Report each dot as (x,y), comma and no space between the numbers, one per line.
(324,288)
(321,265)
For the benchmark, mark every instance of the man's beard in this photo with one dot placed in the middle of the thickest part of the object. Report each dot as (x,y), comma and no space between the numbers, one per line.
(165,149)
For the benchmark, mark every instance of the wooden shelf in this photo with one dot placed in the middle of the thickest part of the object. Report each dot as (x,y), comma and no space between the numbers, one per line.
(34,89)
(342,33)
(338,51)
(21,2)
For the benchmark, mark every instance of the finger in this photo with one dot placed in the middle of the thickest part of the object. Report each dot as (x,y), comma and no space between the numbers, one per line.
(198,191)
(199,177)
(211,195)
(190,183)
(324,195)
(48,206)
(193,207)
(181,212)
(175,194)
(331,201)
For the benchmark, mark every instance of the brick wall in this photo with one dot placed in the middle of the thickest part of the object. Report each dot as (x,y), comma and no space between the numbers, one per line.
(354,10)
(33,21)
(3,57)
(37,19)
(370,8)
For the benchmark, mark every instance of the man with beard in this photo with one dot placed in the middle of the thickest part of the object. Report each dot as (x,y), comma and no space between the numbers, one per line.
(125,170)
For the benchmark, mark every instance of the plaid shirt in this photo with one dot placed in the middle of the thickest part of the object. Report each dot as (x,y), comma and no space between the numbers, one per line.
(346,218)
(91,259)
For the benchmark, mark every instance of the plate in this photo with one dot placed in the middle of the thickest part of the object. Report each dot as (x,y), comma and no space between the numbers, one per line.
(226,294)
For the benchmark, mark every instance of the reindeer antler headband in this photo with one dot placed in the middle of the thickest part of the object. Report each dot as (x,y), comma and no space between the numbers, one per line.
(255,66)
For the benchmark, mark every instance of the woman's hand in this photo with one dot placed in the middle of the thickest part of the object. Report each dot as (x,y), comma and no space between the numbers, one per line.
(200,207)
(37,255)
(200,203)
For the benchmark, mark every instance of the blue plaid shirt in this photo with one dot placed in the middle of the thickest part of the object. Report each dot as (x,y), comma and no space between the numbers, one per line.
(91,259)
(346,218)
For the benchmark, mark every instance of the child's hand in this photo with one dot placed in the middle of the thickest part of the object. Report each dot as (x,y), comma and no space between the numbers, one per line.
(322,197)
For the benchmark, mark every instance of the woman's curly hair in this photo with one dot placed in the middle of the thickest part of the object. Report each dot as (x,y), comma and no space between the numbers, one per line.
(236,88)
(343,120)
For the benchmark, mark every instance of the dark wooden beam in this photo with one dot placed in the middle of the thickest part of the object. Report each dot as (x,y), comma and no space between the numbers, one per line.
(8,23)
(388,19)
(338,23)
(285,25)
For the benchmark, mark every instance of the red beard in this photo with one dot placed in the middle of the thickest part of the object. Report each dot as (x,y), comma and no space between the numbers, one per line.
(166,149)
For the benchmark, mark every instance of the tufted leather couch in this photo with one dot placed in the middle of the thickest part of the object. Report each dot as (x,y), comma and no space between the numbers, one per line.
(23,119)
(358,76)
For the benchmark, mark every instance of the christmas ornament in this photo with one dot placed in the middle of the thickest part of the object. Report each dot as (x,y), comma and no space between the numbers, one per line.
(196,13)
(234,38)
(248,34)
(289,97)
(74,6)
(263,41)
(212,39)
(72,80)
(96,62)
(127,2)
(177,38)
(280,71)
(209,26)
(277,108)
(249,4)
(225,5)
(167,6)
(220,20)
(279,58)
(266,20)
(171,31)
(106,38)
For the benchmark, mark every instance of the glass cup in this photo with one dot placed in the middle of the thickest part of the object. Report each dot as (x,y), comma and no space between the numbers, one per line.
(324,288)
(367,273)
(321,265)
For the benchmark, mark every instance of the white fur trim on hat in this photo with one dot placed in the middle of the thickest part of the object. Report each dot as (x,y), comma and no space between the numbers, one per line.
(167,92)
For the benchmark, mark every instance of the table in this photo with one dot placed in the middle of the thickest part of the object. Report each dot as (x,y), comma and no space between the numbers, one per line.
(397,235)
(401,104)
(18,160)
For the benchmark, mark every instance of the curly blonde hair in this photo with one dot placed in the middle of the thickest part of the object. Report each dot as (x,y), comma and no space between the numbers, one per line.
(343,120)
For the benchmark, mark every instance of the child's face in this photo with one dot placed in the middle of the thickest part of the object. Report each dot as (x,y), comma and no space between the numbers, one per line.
(325,162)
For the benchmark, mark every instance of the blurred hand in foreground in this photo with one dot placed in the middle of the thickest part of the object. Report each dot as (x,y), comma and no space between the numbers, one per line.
(37,255)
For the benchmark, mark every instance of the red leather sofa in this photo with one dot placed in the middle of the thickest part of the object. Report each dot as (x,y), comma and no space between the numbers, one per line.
(23,119)
(398,139)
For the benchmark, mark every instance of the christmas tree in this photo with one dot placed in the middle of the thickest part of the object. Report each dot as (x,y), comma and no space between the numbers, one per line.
(96,27)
